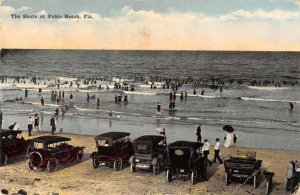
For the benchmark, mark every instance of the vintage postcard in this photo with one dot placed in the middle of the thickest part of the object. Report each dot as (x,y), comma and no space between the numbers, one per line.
(149,97)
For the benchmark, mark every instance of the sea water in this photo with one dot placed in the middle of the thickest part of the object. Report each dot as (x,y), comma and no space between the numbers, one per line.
(260,114)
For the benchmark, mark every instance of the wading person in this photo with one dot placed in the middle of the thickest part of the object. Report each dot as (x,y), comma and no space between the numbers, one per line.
(42,101)
(217,152)
(1,118)
(53,125)
(198,133)
(37,122)
(158,107)
(30,126)
(98,103)
(26,92)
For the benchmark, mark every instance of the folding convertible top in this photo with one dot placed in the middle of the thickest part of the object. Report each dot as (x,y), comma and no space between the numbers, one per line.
(4,133)
(50,139)
(154,139)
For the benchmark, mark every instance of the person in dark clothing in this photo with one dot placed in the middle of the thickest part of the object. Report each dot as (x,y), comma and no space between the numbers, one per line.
(1,119)
(26,92)
(181,95)
(125,99)
(198,133)
(291,105)
(194,93)
(42,101)
(234,138)
(30,126)
(37,122)
(217,152)
(53,125)
(158,107)
(98,102)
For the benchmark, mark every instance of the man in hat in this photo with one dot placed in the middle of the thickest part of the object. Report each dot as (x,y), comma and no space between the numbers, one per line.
(217,152)
(205,150)
(53,125)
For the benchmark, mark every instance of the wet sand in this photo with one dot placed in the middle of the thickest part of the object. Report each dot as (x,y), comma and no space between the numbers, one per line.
(82,178)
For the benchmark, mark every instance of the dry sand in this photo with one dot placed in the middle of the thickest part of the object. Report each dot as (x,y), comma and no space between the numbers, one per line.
(82,178)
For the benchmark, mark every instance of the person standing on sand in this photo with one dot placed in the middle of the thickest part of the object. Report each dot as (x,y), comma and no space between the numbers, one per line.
(198,133)
(53,125)
(30,126)
(234,138)
(217,152)
(205,150)
(37,122)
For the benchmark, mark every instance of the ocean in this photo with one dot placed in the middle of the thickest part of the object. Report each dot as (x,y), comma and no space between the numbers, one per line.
(257,89)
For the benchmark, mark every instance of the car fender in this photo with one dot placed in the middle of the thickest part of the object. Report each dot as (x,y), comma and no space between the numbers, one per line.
(93,154)
(131,159)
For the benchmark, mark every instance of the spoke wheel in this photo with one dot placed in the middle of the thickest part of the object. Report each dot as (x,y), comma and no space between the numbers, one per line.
(79,155)
(118,164)
(194,177)
(156,167)
(95,162)
(52,164)
(29,149)
(3,159)
(35,160)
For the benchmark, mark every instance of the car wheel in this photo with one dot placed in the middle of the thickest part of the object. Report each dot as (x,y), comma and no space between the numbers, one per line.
(194,177)
(3,159)
(156,167)
(95,162)
(79,156)
(169,175)
(35,160)
(132,167)
(52,164)
(118,164)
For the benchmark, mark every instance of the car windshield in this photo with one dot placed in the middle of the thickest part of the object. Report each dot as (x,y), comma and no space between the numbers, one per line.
(38,145)
(142,148)
(103,142)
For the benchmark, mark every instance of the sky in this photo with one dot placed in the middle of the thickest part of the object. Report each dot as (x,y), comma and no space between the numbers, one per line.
(248,25)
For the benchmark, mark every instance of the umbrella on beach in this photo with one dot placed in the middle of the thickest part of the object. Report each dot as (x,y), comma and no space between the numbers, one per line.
(228,128)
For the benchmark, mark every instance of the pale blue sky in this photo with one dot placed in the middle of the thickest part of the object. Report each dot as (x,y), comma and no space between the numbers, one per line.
(154,24)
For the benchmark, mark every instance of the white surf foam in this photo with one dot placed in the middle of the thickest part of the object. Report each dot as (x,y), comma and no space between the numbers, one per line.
(269,100)
(267,88)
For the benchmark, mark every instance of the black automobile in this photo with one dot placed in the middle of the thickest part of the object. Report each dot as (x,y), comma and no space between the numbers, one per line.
(114,149)
(185,160)
(150,153)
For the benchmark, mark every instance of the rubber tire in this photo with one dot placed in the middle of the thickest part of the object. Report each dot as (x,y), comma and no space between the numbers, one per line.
(54,166)
(3,157)
(29,163)
(169,175)
(156,168)
(194,177)
(132,167)
(118,164)
(95,162)
(79,155)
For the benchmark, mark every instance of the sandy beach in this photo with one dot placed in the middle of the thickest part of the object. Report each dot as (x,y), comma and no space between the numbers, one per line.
(82,178)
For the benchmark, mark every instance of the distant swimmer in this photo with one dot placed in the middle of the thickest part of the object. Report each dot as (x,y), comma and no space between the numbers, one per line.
(291,105)
(185,94)
(116,98)
(158,107)
(42,101)
(40,90)
(87,96)
(194,93)
(221,89)
(56,111)
(181,95)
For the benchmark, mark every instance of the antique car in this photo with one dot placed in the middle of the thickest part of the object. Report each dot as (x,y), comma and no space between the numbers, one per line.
(185,160)
(114,149)
(12,144)
(51,151)
(150,153)
(243,167)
